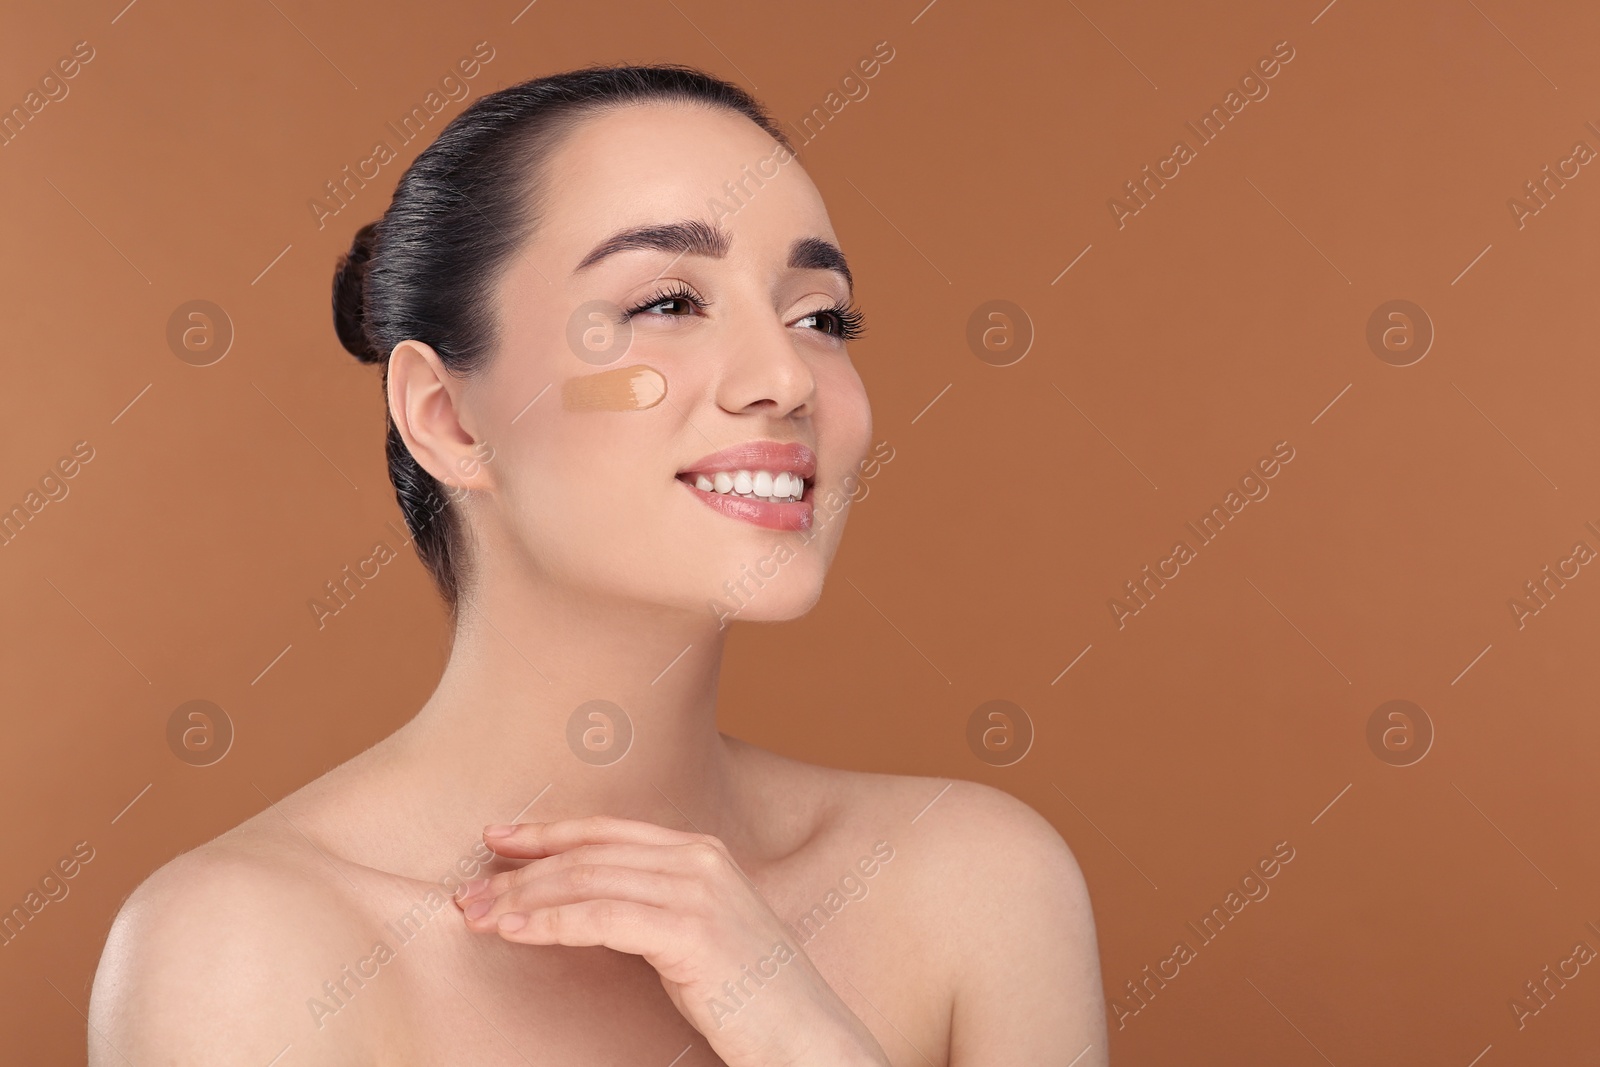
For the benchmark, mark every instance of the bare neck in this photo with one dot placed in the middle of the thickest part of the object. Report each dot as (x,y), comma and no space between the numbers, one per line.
(531,721)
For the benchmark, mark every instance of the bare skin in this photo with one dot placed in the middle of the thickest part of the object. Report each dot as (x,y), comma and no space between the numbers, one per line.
(921,921)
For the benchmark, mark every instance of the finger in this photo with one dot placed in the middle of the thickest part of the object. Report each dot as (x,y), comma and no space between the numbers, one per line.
(621,925)
(701,858)
(538,839)
(682,859)
(574,884)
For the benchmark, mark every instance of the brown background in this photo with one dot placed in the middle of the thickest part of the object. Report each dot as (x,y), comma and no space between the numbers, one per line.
(1225,317)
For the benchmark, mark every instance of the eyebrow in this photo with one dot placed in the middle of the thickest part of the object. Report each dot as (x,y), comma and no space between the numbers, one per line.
(813,253)
(694,237)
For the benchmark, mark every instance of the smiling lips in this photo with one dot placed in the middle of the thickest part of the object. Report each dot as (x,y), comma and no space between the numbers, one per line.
(765,483)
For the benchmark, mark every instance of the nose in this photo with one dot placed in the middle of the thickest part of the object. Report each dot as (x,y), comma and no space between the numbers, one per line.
(764,368)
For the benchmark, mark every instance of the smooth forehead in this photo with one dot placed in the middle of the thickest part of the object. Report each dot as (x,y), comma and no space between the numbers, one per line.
(667,160)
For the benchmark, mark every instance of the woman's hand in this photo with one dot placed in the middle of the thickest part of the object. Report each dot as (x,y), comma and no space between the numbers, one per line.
(679,900)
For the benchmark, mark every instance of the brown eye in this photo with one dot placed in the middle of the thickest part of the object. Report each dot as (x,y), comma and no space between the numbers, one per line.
(841,322)
(680,302)
(680,297)
(822,321)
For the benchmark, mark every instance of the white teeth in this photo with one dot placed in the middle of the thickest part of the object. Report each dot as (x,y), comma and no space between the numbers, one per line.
(776,487)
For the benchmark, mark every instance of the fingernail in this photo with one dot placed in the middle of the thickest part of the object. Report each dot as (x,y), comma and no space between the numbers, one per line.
(502,829)
(478,908)
(513,921)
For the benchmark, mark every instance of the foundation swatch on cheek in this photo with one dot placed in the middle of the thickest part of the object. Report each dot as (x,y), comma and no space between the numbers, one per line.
(619,389)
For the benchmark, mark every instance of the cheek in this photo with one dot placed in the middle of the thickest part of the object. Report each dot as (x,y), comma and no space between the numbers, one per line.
(844,419)
(560,524)
(583,468)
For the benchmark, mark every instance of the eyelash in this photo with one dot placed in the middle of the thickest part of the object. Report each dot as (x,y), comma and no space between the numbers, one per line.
(849,319)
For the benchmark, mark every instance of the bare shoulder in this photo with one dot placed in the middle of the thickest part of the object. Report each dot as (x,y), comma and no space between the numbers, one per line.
(1005,902)
(242,930)
(986,835)
(973,841)
(994,903)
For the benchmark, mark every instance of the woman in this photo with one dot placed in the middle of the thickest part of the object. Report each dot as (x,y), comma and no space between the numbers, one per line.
(590,482)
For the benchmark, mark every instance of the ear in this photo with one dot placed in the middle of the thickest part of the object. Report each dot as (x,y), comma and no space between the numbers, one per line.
(425,403)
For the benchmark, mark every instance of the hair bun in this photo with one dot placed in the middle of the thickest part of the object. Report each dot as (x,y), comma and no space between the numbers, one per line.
(349,296)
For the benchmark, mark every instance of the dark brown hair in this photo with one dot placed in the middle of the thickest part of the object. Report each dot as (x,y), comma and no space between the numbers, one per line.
(427,270)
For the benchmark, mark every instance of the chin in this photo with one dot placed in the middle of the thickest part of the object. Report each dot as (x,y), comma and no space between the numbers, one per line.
(754,598)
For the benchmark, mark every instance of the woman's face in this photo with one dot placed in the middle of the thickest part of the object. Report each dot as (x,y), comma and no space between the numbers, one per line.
(734,318)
